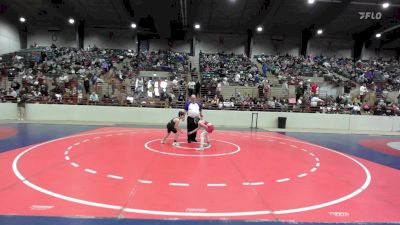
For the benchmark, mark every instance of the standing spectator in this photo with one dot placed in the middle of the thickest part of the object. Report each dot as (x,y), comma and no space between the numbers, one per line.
(175,84)
(80,96)
(43,56)
(193,110)
(266,89)
(197,88)
(299,91)
(347,87)
(314,88)
(139,86)
(191,86)
(398,99)
(181,98)
(363,92)
(285,88)
(86,84)
(21,107)
(264,70)
(219,88)
(105,66)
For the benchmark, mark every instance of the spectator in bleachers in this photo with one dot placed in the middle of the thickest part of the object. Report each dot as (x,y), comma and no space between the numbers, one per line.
(265,69)
(70,65)
(86,84)
(191,87)
(363,91)
(356,110)
(223,65)
(12,93)
(266,89)
(285,88)
(366,107)
(197,88)
(15,86)
(314,88)
(218,90)
(94,98)
(315,101)
(299,91)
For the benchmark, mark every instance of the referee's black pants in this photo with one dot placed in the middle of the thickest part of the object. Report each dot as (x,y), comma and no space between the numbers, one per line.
(191,125)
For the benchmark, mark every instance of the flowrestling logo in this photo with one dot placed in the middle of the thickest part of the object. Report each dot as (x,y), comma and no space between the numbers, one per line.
(370,15)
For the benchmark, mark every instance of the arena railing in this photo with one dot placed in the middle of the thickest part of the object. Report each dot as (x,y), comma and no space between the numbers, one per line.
(158,103)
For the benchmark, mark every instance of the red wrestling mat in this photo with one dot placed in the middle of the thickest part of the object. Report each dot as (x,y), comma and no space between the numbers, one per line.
(127,172)
(6,132)
(389,146)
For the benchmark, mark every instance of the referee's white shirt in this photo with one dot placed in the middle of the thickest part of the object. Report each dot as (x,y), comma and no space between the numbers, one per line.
(193,110)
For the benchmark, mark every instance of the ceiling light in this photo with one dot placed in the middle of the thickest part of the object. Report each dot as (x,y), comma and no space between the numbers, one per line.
(311,1)
(155,74)
(71,21)
(197,26)
(22,19)
(319,31)
(378,35)
(259,28)
(385,5)
(133,25)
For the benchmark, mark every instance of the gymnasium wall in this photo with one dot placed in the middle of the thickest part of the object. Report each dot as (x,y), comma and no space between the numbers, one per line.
(205,42)
(9,36)
(163,44)
(368,53)
(330,47)
(110,38)
(232,119)
(8,111)
(46,36)
(290,46)
(264,44)
(214,43)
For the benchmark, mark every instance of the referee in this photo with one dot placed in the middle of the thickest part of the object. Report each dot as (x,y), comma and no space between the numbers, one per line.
(193,110)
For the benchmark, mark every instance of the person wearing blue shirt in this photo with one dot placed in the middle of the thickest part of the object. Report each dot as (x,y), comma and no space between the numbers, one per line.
(265,69)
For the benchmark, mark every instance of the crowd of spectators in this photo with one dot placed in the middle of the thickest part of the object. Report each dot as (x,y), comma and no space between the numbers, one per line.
(75,76)
(292,68)
(164,61)
(375,76)
(230,68)
(70,75)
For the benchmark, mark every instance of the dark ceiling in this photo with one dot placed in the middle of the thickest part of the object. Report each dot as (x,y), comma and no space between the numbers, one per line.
(166,18)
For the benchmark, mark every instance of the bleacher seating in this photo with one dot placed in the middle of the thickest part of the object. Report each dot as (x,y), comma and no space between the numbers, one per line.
(233,82)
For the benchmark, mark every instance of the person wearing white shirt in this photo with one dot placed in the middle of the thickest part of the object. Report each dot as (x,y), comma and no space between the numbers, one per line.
(156,88)
(163,85)
(315,100)
(356,109)
(150,89)
(363,92)
(191,86)
(193,110)
(94,98)
(237,78)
